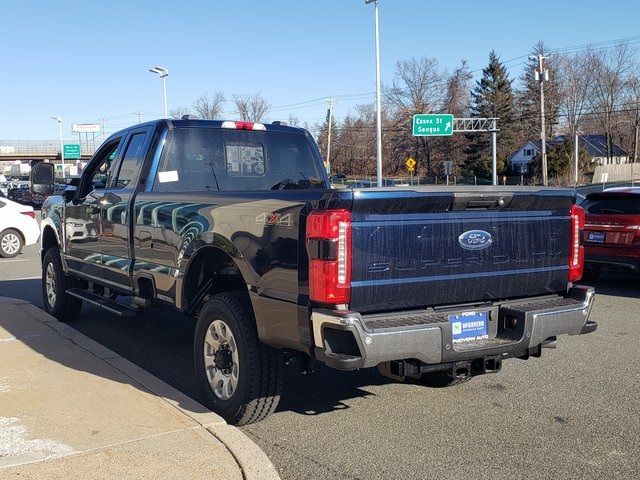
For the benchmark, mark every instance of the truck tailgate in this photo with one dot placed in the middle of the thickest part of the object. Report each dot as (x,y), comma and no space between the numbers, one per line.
(427,247)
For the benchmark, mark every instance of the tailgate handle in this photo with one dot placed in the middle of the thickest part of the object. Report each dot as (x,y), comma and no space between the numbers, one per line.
(481,204)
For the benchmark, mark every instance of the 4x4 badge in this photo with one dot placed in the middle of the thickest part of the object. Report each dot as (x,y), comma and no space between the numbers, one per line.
(283,220)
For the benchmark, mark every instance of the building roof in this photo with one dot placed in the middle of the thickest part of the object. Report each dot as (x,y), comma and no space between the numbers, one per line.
(594,145)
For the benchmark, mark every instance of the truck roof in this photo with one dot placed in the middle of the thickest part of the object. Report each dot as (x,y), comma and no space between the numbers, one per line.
(177,123)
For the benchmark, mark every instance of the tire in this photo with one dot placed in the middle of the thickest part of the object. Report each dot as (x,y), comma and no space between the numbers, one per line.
(54,289)
(441,380)
(231,362)
(11,243)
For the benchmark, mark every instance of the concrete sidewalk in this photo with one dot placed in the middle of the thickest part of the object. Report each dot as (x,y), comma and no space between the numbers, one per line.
(72,409)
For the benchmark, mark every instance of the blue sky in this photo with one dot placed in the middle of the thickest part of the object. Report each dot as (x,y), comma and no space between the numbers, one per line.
(87,60)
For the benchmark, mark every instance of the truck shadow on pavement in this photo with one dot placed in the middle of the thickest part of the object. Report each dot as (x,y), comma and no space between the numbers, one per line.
(160,342)
(110,367)
(616,284)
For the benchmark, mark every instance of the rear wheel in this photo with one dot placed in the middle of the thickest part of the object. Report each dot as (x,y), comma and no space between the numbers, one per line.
(10,243)
(240,377)
(54,289)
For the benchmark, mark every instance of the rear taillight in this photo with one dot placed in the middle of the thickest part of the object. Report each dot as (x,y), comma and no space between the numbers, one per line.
(31,214)
(329,248)
(576,254)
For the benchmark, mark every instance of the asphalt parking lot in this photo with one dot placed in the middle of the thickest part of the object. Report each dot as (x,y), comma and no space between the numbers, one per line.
(574,413)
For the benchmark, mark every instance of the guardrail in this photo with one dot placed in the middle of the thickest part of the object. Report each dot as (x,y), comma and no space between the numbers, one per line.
(39,147)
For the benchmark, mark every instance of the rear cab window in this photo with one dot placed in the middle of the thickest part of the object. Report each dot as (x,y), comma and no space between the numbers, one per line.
(613,204)
(213,159)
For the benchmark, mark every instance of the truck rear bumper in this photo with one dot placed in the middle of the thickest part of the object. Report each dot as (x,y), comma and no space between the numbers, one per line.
(348,340)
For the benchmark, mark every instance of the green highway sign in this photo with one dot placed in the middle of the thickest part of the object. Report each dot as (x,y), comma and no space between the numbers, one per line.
(71,150)
(432,125)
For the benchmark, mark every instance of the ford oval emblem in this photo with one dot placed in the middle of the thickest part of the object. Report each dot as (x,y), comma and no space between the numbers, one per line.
(475,240)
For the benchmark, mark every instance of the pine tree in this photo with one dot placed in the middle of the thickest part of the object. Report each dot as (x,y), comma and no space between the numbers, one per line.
(492,97)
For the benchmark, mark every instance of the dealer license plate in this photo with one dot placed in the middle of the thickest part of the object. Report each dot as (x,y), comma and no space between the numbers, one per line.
(469,326)
(596,237)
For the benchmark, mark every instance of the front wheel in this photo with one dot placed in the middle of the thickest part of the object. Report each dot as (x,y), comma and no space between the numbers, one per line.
(240,377)
(55,283)
(10,243)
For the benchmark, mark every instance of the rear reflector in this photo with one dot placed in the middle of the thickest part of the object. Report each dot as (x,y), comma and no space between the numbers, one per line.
(329,249)
(243,125)
(576,253)
(31,214)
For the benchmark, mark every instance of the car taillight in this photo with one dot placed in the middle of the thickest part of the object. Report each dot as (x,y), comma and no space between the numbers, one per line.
(243,125)
(31,214)
(329,248)
(576,256)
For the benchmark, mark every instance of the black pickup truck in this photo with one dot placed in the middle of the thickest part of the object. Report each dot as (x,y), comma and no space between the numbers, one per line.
(234,223)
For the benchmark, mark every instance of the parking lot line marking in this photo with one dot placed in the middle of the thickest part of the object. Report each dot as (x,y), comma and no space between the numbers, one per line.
(14,261)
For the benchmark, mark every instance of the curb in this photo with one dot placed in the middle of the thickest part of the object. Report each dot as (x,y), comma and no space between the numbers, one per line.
(253,462)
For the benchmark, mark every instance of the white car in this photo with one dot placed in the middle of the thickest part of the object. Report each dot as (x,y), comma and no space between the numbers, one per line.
(18,227)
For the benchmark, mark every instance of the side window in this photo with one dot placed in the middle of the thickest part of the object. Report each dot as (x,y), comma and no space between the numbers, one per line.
(101,169)
(131,161)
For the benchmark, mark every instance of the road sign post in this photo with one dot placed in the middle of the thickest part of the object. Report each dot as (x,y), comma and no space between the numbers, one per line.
(433,125)
(448,168)
(411,166)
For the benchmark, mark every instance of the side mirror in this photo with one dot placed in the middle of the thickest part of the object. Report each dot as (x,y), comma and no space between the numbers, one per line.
(42,179)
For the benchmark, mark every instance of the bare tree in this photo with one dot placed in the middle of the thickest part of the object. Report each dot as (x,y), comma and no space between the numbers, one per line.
(209,106)
(179,112)
(612,72)
(417,87)
(251,108)
(294,121)
(575,85)
(633,114)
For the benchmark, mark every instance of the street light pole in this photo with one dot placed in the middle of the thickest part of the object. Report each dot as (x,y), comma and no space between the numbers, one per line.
(378,93)
(59,120)
(163,72)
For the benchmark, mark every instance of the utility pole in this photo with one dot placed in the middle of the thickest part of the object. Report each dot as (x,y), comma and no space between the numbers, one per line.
(635,141)
(327,162)
(494,156)
(542,75)
(575,159)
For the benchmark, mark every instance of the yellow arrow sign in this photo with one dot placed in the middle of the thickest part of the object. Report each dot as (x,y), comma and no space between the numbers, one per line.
(410,163)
